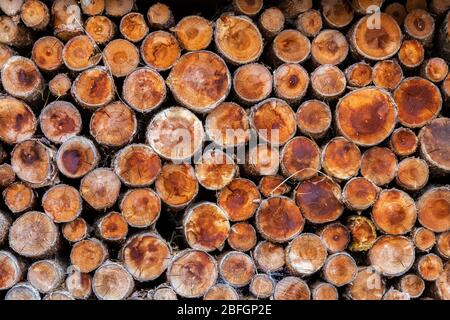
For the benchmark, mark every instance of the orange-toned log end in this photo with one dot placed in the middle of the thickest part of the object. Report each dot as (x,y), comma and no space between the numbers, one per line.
(300,159)
(206,226)
(140,207)
(319,199)
(262,160)
(273,186)
(341,158)
(221,291)
(291,288)
(434,209)
(112,227)
(62,203)
(269,257)
(17,120)
(76,157)
(33,235)
(248,7)
(423,239)
(45,275)
(7,175)
(59,121)
(100,28)
(118,8)
(242,237)
(215,169)
(398,11)
(35,14)
(80,53)
(435,69)
(10,270)
(419,24)
(271,22)
(262,286)
(359,75)
(238,39)
(133,27)
(236,268)
(324,291)
(79,285)
(310,23)
(363,233)
(340,269)
(328,82)
(47,53)
(113,125)
(160,50)
(412,284)
(394,212)
(368,285)
(411,53)
(337,14)
(23,291)
(75,230)
(112,281)
(441,287)
(329,47)
(412,174)
(359,194)
(442,244)
(192,273)
(278,219)
(100,188)
(403,142)
(93,88)
(435,145)
(335,237)
(392,255)
(418,101)
(239,199)
(87,255)
(18,197)
(194,33)
(290,46)
(92,7)
(160,16)
(121,57)
(314,118)
(429,267)
(379,165)
(60,85)
(177,185)
(305,254)
(5,53)
(376,43)
(252,83)
(387,74)
(146,256)
(290,82)
(137,165)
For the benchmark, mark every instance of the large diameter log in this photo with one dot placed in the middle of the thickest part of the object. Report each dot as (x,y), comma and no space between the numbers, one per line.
(67,19)
(87,255)
(80,53)
(112,281)
(305,254)
(403,142)
(292,288)
(379,165)
(62,203)
(269,257)
(93,88)
(140,207)
(329,47)
(290,82)
(368,285)
(221,291)
(100,28)
(412,174)
(160,16)
(341,158)
(242,237)
(434,144)
(359,194)
(13,33)
(363,232)
(252,83)
(337,14)
(59,121)
(133,27)
(19,197)
(160,50)
(194,33)
(45,275)
(300,159)
(215,169)
(236,268)
(340,269)
(100,188)
(47,53)
(11,270)
(434,209)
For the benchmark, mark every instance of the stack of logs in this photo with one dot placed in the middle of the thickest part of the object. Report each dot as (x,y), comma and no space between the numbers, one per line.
(101,197)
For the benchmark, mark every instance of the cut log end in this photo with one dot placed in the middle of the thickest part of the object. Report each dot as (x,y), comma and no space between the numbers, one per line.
(17,120)
(359,75)
(297,51)
(252,83)
(273,186)
(379,165)
(403,142)
(290,82)
(87,255)
(23,291)
(140,207)
(423,239)
(310,23)
(434,209)
(47,53)
(100,188)
(239,199)
(359,194)
(341,158)
(11,270)
(242,237)
(412,174)
(45,275)
(62,203)
(60,85)
(262,286)
(112,281)
(133,27)
(306,254)
(300,159)
(76,157)
(411,54)
(100,28)
(160,16)
(18,197)
(328,82)
(368,285)
(118,8)
(335,237)
(160,50)
(443,244)
(194,33)
(363,232)
(112,227)
(340,269)
(329,47)
(221,291)
(80,53)
(79,285)
(262,160)
(324,291)
(236,268)
(269,257)
(412,284)
(271,22)
(429,267)
(419,24)
(59,121)
(75,230)
(121,57)
(434,145)
(248,7)
(292,288)
(387,74)
(398,11)
(337,14)
(215,169)
(93,88)
(435,69)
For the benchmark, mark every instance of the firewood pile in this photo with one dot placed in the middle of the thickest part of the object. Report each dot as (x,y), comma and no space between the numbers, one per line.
(244,149)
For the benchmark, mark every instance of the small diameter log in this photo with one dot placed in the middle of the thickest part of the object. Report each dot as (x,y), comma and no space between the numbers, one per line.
(75,230)
(434,145)
(359,75)
(363,232)
(7,175)
(177,185)
(112,227)
(60,85)
(419,24)
(192,273)
(101,29)
(112,281)
(62,203)
(314,118)
(100,188)
(337,14)
(118,8)
(92,7)
(21,78)
(262,286)
(33,235)
(387,74)
(252,83)
(423,239)
(305,254)
(248,7)
(22,291)
(67,20)
(5,224)
(394,294)
(239,199)
(121,57)
(79,285)
(236,268)
(324,291)
(359,194)
(271,22)
(340,269)
(76,157)
(435,69)
(328,82)
(206,226)
(290,46)
(160,16)
(164,292)
(398,11)
(442,245)
(290,82)
(278,219)
(329,47)
(221,291)
(227,125)
(215,169)
(47,53)
(113,125)
(368,285)
(273,186)
(144,90)
(35,14)
(411,284)
(238,39)
(394,212)
(93,88)
(193,33)
(58,295)
(300,159)
(412,174)
(429,267)
(13,33)
(242,237)
(175,134)
(291,288)
(376,42)
(292,8)
(411,54)
(392,255)
(434,209)
(87,255)
(133,27)
(379,165)
(137,165)
(18,197)
(140,207)
(403,142)
(45,275)
(309,23)
(341,158)
(335,236)
(319,199)
(32,161)
(160,50)
(59,121)
(269,257)
(11,270)
(440,287)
